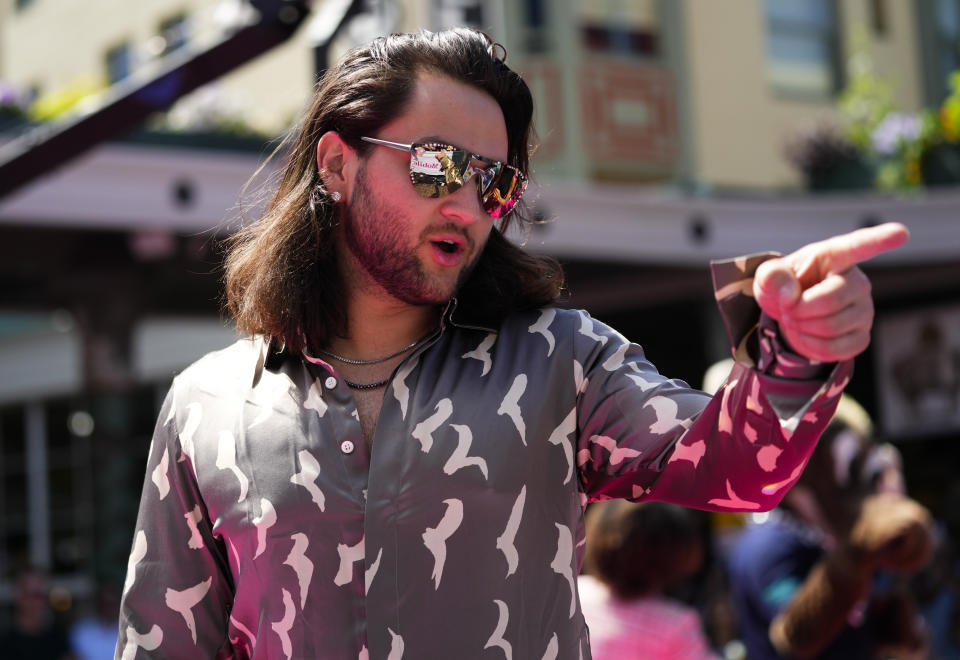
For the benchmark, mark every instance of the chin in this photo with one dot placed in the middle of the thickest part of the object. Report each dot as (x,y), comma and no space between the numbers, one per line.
(436,292)
(427,298)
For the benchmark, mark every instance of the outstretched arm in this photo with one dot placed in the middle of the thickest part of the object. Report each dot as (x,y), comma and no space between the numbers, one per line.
(892,532)
(745,447)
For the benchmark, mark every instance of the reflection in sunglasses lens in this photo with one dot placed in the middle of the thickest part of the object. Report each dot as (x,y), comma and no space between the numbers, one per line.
(438,170)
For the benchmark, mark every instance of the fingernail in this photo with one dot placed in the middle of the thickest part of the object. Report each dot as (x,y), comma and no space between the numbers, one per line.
(788,292)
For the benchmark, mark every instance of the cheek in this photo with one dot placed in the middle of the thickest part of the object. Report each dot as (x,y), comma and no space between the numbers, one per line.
(484,228)
(386,180)
(479,231)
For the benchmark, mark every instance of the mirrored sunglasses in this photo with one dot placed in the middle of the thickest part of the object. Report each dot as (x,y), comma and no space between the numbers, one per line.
(439,169)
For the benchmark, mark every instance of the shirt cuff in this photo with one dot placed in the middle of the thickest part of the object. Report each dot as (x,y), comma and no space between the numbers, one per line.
(754,337)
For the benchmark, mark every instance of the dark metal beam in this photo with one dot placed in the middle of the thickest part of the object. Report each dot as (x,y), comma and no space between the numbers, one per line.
(127,104)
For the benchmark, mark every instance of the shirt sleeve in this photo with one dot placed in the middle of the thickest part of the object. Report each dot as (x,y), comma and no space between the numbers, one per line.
(178,590)
(644,436)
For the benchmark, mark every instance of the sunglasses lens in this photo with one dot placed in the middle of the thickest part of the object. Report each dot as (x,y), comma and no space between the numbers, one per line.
(438,170)
(503,191)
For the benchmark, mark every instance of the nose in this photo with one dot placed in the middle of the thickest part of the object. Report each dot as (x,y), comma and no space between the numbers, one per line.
(463,206)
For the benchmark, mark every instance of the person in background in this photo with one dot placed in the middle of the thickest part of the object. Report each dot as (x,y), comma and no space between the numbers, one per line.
(34,636)
(95,638)
(634,552)
(805,580)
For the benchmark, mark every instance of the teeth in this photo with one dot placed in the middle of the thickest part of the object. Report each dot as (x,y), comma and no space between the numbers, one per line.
(447,246)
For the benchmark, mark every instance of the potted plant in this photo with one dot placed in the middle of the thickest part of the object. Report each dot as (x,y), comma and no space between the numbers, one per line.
(830,161)
(940,159)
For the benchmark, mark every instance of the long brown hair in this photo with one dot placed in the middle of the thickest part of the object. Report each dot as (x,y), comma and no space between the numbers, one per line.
(282,278)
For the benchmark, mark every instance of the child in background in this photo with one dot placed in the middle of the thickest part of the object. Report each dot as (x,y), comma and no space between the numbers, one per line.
(634,552)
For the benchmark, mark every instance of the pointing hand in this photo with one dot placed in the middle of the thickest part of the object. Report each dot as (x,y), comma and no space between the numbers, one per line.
(819,296)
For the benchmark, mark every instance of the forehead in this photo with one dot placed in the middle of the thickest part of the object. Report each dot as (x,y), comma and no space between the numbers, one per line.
(448,110)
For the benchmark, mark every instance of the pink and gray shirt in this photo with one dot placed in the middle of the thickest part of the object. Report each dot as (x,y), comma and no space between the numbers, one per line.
(267,530)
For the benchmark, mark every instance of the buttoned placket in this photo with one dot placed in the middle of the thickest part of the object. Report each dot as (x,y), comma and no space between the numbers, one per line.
(374,474)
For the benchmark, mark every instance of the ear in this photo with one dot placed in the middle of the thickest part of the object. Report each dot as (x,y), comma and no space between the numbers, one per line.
(336,163)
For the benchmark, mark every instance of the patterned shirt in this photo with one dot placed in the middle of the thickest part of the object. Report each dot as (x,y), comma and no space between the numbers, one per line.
(267,530)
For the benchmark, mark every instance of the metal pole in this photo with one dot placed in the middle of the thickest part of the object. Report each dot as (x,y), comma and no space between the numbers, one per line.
(38,496)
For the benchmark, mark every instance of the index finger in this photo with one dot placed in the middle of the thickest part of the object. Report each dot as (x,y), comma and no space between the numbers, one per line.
(839,253)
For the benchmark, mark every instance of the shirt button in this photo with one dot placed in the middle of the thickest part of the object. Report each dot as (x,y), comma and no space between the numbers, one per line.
(346,447)
(331,382)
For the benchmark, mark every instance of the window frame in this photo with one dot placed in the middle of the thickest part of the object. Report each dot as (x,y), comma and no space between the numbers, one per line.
(829,36)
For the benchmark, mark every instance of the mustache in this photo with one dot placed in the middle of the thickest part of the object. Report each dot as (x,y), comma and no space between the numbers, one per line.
(448,228)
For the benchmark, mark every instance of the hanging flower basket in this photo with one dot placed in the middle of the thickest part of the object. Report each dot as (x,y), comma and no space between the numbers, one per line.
(829,161)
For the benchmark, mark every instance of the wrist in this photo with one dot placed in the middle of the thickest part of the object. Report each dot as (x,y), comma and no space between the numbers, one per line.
(849,563)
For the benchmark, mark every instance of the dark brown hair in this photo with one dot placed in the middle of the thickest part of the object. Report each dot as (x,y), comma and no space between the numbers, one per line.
(641,549)
(282,278)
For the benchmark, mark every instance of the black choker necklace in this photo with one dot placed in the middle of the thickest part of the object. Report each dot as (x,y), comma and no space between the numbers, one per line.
(366,386)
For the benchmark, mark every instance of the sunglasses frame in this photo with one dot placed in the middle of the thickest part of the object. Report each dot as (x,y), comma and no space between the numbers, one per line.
(519,177)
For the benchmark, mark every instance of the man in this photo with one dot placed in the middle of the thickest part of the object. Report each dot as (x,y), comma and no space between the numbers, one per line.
(396,466)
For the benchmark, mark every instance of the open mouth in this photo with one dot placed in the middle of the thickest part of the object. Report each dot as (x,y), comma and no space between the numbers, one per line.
(447,246)
(448,252)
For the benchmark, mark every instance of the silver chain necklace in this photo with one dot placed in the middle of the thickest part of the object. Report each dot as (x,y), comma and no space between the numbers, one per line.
(340,358)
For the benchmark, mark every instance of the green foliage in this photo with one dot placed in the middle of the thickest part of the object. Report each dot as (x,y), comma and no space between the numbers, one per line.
(950,111)
(65,100)
(907,151)
(868,97)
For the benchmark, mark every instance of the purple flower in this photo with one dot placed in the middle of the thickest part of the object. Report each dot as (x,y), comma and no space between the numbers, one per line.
(895,129)
(12,96)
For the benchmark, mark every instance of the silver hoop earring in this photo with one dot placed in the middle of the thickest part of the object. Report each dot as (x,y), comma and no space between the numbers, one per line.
(336,196)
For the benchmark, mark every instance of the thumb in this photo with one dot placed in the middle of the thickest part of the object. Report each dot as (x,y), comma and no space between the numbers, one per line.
(775,287)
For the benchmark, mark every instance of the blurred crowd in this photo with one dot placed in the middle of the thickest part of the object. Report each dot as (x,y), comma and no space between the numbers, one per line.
(848,566)
(37,631)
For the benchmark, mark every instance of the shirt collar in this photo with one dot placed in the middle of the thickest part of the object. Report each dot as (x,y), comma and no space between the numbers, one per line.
(271,351)
(463,318)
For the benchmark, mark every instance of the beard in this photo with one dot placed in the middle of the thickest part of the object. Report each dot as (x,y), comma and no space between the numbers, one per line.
(377,237)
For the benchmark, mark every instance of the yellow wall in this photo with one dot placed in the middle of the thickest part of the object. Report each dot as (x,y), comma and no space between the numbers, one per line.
(897,53)
(739,125)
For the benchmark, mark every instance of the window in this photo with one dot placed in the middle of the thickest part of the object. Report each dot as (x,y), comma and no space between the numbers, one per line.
(449,13)
(939,44)
(879,20)
(119,61)
(614,27)
(536,35)
(947,43)
(802,48)
(71,470)
(175,32)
